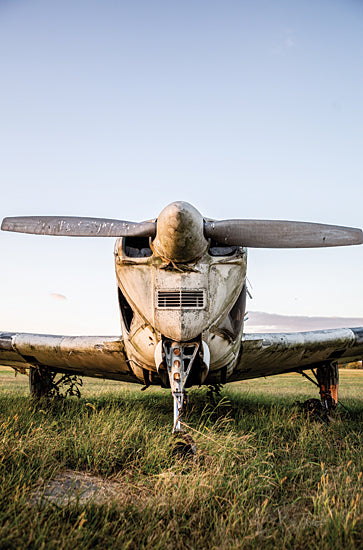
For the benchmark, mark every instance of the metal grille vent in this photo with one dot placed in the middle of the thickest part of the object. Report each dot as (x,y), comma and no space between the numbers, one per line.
(180,299)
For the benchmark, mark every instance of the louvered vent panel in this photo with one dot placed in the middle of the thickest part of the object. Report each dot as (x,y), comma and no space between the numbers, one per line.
(180,299)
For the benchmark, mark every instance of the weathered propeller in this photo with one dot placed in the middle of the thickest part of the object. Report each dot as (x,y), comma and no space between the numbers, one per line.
(281,234)
(78,227)
(180,225)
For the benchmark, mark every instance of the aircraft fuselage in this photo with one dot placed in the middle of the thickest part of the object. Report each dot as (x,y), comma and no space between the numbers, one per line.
(203,299)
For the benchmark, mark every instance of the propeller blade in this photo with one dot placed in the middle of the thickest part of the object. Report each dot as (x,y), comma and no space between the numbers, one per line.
(281,234)
(78,226)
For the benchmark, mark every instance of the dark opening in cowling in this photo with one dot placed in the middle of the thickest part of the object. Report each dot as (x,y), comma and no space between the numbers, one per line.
(220,249)
(238,310)
(137,247)
(126,311)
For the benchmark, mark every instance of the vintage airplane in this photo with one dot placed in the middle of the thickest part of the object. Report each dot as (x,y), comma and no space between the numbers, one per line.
(182,295)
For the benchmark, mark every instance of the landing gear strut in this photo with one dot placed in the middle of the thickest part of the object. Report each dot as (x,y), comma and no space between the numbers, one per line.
(179,360)
(176,362)
(40,382)
(327,380)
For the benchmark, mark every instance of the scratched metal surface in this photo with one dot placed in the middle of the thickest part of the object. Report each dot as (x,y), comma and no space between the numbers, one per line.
(78,227)
(85,355)
(267,354)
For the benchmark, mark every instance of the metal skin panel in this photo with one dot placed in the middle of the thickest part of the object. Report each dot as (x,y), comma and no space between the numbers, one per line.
(224,351)
(266,354)
(87,355)
(140,343)
(220,278)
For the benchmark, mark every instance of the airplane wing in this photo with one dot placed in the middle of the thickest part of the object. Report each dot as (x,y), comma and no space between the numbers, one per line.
(98,356)
(104,357)
(267,354)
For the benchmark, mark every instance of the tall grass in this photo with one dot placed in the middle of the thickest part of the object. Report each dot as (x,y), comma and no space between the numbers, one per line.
(266,475)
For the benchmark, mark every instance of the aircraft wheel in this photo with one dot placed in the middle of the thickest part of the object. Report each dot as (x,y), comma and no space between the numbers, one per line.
(40,382)
(313,406)
(185,448)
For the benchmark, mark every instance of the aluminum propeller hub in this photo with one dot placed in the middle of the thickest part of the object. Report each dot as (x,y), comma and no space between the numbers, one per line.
(180,233)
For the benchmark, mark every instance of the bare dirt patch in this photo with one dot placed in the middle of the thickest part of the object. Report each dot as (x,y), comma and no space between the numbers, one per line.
(72,487)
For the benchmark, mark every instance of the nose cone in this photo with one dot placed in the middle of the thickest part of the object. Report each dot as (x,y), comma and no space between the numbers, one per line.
(180,233)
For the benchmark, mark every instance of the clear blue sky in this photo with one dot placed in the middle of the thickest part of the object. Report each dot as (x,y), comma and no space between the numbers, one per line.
(116,108)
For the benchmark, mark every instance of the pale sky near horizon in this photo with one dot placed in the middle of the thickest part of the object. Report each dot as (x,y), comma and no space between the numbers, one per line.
(246,109)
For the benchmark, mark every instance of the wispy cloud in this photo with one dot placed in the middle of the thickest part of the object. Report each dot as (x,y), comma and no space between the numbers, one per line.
(285,41)
(289,39)
(57,296)
(259,321)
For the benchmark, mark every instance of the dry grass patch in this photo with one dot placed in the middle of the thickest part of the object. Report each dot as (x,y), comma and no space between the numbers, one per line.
(99,472)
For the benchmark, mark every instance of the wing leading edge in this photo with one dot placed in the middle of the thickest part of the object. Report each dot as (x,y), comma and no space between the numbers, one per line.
(268,354)
(97,356)
(104,357)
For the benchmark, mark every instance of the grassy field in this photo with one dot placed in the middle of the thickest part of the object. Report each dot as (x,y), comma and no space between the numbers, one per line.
(266,475)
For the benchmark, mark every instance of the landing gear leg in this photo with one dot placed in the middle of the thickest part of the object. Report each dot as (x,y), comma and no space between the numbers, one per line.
(328,380)
(179,360)
(40,382)
(174,363)
(178,409)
